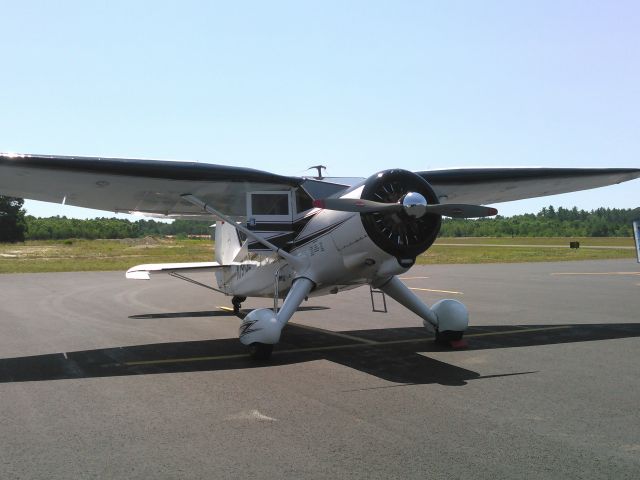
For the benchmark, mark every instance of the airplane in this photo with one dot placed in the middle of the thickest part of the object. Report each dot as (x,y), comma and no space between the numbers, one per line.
(291,238)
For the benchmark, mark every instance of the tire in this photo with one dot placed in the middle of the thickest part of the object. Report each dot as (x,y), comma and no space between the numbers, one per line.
(260,351)
(443,338)
(237,304)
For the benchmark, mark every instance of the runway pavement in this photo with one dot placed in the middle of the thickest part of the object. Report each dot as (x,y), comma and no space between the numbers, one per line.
(101,377)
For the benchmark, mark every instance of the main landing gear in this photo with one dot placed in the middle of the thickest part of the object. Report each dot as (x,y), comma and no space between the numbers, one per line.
(451,339)
(447,319)
(260,330)
(237,303)
(260,351)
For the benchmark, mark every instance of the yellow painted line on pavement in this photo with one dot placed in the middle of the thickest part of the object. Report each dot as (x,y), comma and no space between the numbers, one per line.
(336,347)
(316,329)
(336,334)
(321,330)
(240,315)
(412,278)
(185,360)
(520,330)
(485,334)
(246,355)
(436,291)
(596,273)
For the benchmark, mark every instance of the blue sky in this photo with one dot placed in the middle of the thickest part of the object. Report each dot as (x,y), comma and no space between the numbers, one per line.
(358,86)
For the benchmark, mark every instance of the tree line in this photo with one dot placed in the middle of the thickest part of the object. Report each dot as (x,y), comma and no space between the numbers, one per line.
(549,222)
(15,226)
(59,228)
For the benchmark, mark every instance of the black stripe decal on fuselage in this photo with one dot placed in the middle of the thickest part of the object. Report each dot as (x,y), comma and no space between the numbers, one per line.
(290,230)
(288,242)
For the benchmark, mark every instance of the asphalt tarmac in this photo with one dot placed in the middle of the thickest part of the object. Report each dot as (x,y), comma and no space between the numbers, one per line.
(102,377)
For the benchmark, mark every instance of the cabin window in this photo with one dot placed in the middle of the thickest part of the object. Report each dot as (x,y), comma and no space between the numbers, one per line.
(270,204)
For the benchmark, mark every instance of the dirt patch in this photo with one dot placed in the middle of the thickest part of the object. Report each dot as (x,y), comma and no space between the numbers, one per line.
(29,251)
(141,242)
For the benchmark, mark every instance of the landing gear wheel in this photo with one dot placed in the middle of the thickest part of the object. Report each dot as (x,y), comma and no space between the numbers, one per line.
(448,336)
(260,351)
(237,304)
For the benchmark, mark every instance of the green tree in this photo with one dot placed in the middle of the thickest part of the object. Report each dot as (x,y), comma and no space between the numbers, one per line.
(12,222)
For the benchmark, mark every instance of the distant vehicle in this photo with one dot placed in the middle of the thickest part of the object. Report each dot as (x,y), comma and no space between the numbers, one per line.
(636,236)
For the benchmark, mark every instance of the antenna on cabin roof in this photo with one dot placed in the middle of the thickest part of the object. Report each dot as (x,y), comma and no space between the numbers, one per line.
(320,168)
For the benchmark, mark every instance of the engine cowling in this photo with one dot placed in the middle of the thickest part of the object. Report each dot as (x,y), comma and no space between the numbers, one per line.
(399,233)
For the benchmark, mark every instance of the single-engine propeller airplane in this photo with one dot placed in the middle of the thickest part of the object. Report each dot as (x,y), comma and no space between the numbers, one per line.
(294,237)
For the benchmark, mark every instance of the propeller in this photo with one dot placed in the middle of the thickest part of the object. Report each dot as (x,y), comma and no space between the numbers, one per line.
(412,203)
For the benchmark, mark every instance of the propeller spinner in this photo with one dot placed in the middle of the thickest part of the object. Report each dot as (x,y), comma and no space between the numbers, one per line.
(414,204)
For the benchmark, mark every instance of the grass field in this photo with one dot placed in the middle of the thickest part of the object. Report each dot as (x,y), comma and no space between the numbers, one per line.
(525,249)
(85,255)
(562,241)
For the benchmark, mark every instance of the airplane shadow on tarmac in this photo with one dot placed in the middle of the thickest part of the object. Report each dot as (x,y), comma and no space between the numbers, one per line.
(395,354)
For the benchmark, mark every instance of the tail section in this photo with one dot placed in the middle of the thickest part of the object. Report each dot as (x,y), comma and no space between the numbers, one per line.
(228,243)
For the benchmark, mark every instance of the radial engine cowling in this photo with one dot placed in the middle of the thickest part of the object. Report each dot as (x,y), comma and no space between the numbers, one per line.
(401,233)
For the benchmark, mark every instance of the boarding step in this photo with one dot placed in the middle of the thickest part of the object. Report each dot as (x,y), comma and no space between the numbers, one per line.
(376,293)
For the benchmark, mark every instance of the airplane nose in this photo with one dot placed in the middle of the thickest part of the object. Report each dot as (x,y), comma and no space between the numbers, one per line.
(415,205)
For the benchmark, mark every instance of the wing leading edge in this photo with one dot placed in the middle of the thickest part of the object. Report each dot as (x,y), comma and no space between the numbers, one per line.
(495,185)
(156,187)
(133,185)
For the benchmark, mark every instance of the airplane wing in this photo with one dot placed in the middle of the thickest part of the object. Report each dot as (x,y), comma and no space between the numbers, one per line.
(154,187)
(485,186)
(131,185)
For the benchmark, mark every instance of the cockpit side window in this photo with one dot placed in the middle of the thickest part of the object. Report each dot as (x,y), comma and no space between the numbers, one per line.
(270,204)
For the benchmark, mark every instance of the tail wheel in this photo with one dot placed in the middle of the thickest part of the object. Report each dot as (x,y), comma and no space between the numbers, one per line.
(237,304)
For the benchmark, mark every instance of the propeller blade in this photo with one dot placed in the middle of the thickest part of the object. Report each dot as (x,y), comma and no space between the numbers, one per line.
(461,210)
(355,205)
(455,210)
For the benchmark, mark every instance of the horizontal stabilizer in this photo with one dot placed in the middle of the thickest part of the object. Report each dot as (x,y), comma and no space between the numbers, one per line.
(143,272)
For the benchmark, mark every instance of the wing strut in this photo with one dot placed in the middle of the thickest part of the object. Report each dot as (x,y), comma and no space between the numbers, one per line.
(179,276)
(296,262)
